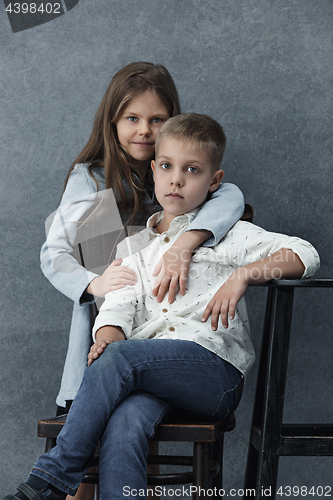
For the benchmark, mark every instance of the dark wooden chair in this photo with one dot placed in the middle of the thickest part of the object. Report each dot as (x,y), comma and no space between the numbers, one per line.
(206,461)
(270,438)
(207,437)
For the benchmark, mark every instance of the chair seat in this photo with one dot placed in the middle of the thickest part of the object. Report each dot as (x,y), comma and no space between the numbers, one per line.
(194,430)
(177,430)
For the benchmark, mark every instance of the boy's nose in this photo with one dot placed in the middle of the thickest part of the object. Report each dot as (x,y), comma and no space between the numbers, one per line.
(177,180)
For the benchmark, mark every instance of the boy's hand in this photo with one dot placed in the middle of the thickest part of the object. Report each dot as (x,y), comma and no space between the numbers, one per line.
(226,298)
(104,336)
(113,278)
(97,349)
(283,263)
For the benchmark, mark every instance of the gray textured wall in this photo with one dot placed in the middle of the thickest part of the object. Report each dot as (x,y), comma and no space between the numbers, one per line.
(264,70)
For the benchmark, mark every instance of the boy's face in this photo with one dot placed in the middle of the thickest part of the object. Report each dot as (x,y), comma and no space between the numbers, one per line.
(183,176)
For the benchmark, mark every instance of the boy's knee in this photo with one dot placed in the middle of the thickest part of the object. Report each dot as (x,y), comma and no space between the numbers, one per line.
(140,413)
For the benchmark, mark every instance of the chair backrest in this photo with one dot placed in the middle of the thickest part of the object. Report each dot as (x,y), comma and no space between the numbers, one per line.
(248,213)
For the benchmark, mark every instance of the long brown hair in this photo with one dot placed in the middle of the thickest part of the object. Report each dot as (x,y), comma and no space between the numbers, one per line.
(103,149)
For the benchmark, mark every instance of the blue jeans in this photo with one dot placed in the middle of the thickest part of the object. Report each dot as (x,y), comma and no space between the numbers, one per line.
(123,397)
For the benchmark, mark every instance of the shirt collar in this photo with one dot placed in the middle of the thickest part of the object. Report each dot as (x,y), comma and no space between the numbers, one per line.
(176,224)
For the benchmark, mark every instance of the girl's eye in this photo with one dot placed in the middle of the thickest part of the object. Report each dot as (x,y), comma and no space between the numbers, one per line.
(193,170)
(165,165)
(157,120)
(132,118)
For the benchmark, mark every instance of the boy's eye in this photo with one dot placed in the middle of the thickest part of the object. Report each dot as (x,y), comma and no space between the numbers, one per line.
(132,118)
(165,165)
(192,169)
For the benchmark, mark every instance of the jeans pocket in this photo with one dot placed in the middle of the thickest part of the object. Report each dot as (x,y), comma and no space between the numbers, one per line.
(229,401)
(240,387)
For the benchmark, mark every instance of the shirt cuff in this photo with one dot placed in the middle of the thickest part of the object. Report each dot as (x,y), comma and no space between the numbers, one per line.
(311,265)
(106,318)
(211,241)
(85,297)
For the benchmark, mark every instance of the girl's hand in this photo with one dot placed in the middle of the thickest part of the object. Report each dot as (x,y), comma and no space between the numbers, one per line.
(113,278)
(171,270)
(226,298)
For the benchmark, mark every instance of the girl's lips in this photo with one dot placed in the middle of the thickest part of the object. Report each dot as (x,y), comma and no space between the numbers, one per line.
(144,144)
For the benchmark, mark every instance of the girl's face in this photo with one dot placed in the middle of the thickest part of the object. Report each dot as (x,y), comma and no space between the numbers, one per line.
(138,124)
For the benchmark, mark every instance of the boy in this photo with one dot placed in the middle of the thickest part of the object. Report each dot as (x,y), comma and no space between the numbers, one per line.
(194,365)
(177,144)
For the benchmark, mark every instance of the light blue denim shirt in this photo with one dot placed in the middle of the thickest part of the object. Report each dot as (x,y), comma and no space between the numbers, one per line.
(60,265)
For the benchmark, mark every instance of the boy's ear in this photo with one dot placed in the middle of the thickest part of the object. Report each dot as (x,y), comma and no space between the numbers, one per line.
(218,176)
(152,164)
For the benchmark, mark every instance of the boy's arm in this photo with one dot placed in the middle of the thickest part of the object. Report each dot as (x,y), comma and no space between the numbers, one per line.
(114,321)
(104,336)
(259,256)
(213,221)
(282,264)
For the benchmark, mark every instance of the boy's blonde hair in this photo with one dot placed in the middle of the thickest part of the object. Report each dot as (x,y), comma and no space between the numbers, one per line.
(200,130)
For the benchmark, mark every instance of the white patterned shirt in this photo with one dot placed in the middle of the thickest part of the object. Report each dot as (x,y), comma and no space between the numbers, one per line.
(139,315)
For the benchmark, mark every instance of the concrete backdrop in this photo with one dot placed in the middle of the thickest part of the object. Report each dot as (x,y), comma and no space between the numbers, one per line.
(264,70)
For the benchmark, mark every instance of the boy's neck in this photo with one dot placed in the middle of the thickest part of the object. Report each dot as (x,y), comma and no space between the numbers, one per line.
(164,225)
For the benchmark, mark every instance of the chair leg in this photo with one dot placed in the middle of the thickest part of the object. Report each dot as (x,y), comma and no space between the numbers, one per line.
(201,469)
(218,456)
(253,458)
(50,443)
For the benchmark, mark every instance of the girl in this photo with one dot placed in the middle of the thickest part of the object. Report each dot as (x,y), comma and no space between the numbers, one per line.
(139,99)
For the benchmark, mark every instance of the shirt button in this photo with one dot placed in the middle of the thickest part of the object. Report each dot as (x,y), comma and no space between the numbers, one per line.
(164,310)
(166,239)
(171,329)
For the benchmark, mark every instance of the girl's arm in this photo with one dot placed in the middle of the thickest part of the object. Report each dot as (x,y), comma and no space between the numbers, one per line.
(219,214)
(213,221)
(64,228)
(58,262)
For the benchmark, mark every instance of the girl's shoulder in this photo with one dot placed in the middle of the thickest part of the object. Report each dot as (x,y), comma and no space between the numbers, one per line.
(81,183)
(84,170)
